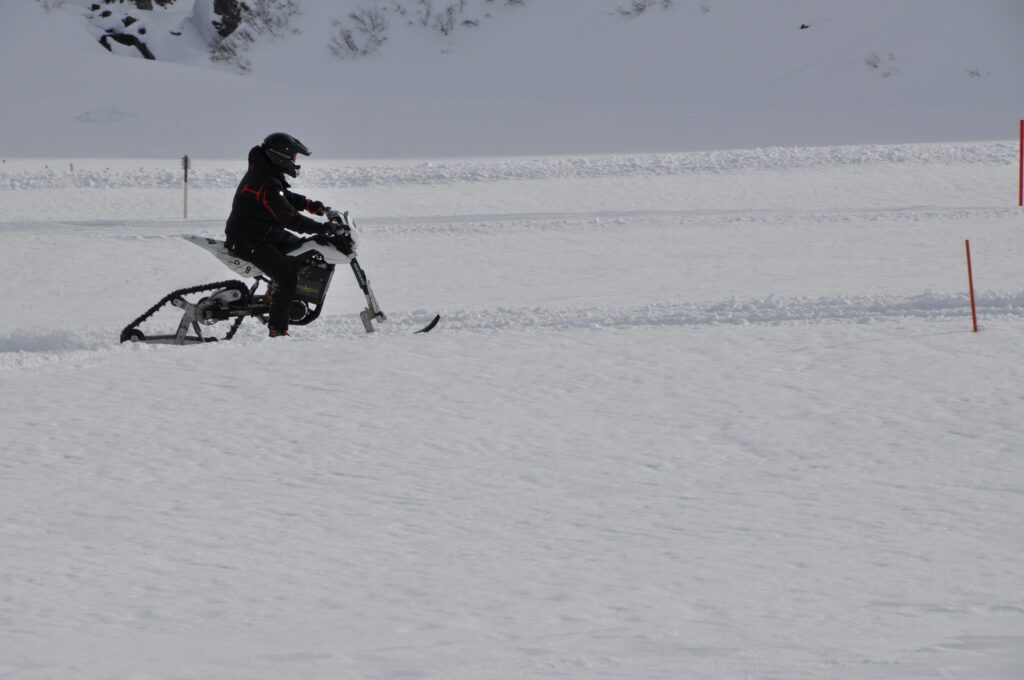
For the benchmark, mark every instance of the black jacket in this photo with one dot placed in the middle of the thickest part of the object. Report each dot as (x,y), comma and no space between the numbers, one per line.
(263,207)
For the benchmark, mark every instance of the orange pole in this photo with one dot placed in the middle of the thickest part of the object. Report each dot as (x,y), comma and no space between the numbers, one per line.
(970,282)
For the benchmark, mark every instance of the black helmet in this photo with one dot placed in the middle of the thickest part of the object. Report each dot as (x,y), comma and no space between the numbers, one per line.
(281,150)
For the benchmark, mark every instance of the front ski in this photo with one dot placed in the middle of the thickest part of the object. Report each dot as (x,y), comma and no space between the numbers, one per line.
(373,312)
(430,326)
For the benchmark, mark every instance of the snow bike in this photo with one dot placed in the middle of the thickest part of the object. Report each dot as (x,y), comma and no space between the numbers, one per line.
(228,303)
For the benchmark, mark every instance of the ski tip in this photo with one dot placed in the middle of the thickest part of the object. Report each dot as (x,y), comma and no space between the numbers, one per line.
(430,326)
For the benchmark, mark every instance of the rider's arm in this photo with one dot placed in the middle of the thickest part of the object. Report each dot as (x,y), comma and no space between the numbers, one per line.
(300,203)
(282,203)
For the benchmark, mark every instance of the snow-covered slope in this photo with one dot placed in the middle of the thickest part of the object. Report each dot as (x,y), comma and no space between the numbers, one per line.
(710,416)
(570,76)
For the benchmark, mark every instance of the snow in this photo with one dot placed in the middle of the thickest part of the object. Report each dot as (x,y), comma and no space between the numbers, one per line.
(752,440)
(710,412)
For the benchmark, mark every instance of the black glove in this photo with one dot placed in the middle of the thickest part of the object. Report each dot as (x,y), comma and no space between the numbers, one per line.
(315,207)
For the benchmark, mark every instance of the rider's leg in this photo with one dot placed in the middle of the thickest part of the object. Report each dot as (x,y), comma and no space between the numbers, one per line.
(274,264)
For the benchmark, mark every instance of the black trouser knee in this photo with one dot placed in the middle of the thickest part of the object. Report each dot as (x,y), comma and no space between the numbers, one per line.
(275,265)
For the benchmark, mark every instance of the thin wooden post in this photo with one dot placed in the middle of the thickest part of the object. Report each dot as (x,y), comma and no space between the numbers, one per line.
(185,164)
(970,283)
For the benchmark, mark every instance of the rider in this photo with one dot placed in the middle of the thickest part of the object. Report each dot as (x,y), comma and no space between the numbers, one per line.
(262,209)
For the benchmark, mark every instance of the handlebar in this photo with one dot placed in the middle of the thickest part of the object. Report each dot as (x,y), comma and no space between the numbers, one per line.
(338,218)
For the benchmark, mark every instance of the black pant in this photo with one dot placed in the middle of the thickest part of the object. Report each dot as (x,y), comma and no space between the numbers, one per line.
(275,265)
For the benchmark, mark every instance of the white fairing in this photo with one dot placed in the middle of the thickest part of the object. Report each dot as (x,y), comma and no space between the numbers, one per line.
(331,255)
(243,268)
(247,269)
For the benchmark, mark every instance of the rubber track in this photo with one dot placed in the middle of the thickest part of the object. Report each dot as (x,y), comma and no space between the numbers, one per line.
(237,285)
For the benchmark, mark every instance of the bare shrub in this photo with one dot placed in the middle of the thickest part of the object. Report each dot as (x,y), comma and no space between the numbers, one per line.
(637,7)
(369,33)
(886,67)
